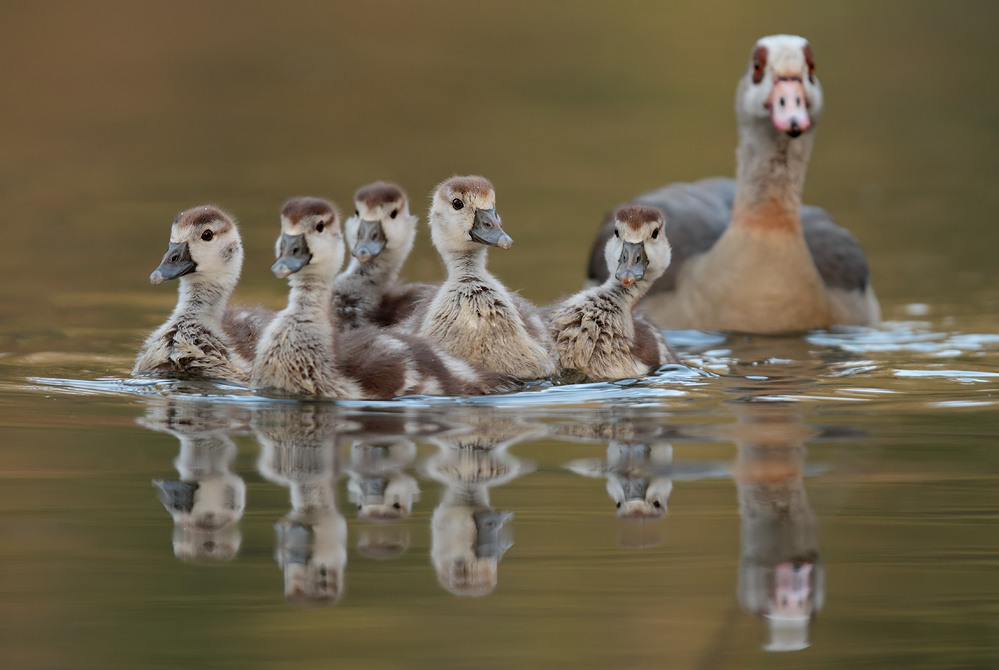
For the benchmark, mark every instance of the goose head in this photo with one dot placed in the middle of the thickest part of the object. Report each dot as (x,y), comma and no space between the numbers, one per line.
(780,88)
(381,221)
(463,215)
(204,247)
(310,242)
(639,250)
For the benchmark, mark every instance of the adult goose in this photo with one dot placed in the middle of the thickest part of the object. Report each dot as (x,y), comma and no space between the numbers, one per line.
(746,255)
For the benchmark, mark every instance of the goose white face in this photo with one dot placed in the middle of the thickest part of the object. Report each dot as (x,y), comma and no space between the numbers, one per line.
(381,221)
(780,85)
(310,240)
(639,248)
(463,216)
(204,246)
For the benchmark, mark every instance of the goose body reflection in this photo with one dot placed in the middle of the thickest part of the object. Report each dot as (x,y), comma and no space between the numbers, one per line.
(380,236)
(781,573)
(208,499)
(298,451)
(469,536)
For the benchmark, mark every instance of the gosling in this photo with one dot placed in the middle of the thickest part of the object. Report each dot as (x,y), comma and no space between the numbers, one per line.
(596,332)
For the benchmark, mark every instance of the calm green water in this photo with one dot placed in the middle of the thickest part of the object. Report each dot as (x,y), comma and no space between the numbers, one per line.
(829,500)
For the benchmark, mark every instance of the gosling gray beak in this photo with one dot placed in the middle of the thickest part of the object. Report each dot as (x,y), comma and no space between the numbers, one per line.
(370,240)
(490,540)
(632,264)
(176,262)
(635,488)
(487,229)
(176,496)
(293,255)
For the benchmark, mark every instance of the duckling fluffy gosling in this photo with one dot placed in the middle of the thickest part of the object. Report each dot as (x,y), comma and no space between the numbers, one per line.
(206,255)
(595,331)
(380,236)
(473,315)
(301,353)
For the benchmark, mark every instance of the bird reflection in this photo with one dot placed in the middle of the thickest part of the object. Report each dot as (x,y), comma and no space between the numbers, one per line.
(637,476)
(469,536)
(781,574)
(208,500)
(382,492)
(298,451)
(639,469)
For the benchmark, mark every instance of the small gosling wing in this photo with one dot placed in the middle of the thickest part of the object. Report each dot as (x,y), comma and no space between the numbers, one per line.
(649,346)
(401,302)
(388,365)
(188,351)
(244,326)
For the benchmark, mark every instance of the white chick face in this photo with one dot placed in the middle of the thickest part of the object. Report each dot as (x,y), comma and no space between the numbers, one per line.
(639,250)
(463,215)
(381,221)
(310,242)
(204,247)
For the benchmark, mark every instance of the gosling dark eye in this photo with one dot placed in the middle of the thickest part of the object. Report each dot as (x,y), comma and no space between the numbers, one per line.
(619,505)
(395,213)
(207,235)
(356,213)
(657,504)
(457,203)
(655,233)
(396,505)
(320,226)
(616,234)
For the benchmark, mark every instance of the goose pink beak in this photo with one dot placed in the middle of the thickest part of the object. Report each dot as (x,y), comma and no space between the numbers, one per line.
(789,107)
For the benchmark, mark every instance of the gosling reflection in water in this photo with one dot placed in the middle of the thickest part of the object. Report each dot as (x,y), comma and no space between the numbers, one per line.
(208,500)
(298,451)
(639,469)
(638,477)
(781,574)
(469,536)
(383,493)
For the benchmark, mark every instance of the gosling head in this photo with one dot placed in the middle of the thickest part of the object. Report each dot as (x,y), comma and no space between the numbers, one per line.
(780,88)
(639,250)
(463,215)
(204,247)
(381,221)
(310,240)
